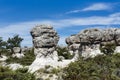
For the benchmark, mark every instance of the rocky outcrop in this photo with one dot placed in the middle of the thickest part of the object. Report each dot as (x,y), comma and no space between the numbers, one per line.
(88,41)
(45,39)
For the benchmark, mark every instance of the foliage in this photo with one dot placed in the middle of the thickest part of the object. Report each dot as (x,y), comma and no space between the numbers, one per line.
(2,46)
(2,43)
(55,71)
(26,60)
(108,49)
(20,74)
(100,67)
(63,51)
(14,42)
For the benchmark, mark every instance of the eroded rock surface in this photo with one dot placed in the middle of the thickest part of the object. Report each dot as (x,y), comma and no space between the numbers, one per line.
(88,41)
(45,39)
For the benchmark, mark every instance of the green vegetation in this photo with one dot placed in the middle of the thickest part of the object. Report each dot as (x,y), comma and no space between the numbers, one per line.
(26,60)
(20,74)
(55,71)
(108,49)
(2,46)
(6,47)
(14,42)
(9,45)
(101,67)
(63,51)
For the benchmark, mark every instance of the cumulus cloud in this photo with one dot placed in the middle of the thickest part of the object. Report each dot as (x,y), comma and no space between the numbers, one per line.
(93,7)
(24,28)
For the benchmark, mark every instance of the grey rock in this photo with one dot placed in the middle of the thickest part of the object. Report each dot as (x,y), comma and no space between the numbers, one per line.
(45,39)
(90,38)
(16,49)
(61,58)
(25,49)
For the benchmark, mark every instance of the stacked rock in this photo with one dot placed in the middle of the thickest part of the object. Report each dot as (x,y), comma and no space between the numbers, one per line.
(92,39)
(45,39)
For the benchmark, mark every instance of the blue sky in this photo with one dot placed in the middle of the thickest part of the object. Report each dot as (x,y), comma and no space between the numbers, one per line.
(67,16)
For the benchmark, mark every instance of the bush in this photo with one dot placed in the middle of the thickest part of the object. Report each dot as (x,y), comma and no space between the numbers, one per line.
(63,51)
(100,67)
(108,49)
(26,60)
(14,42)
(55,71)
(8,74)
(3,49)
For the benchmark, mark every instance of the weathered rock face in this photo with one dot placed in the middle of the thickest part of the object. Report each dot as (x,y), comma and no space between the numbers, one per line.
(17,52)
(45,39)
(88,41)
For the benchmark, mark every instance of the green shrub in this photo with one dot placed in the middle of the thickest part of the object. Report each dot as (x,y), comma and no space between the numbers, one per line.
(20,74)
(63,51)
(55,71)
(108,49)
(14,42)
(3,49)
(100,67)
(47,79)
(26,60)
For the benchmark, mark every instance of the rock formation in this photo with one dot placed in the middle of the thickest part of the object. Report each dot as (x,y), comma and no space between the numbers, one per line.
(17,52)
(45,39)
(87,42)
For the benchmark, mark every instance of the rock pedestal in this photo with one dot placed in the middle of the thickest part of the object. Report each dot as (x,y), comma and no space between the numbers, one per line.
(45,39)
(88,41)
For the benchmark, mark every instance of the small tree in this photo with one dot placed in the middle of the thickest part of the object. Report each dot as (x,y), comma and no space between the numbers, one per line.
(2,46)
(14,42)
(108,49)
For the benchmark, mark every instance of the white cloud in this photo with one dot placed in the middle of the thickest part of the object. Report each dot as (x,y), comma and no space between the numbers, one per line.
(24,28)
(93,7)
(73,11)
(97,6)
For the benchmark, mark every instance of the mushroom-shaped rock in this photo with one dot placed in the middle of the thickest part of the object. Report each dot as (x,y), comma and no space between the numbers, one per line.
(45,39)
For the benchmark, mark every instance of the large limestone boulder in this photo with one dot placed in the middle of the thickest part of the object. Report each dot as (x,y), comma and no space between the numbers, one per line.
(88,41)
(45,39)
